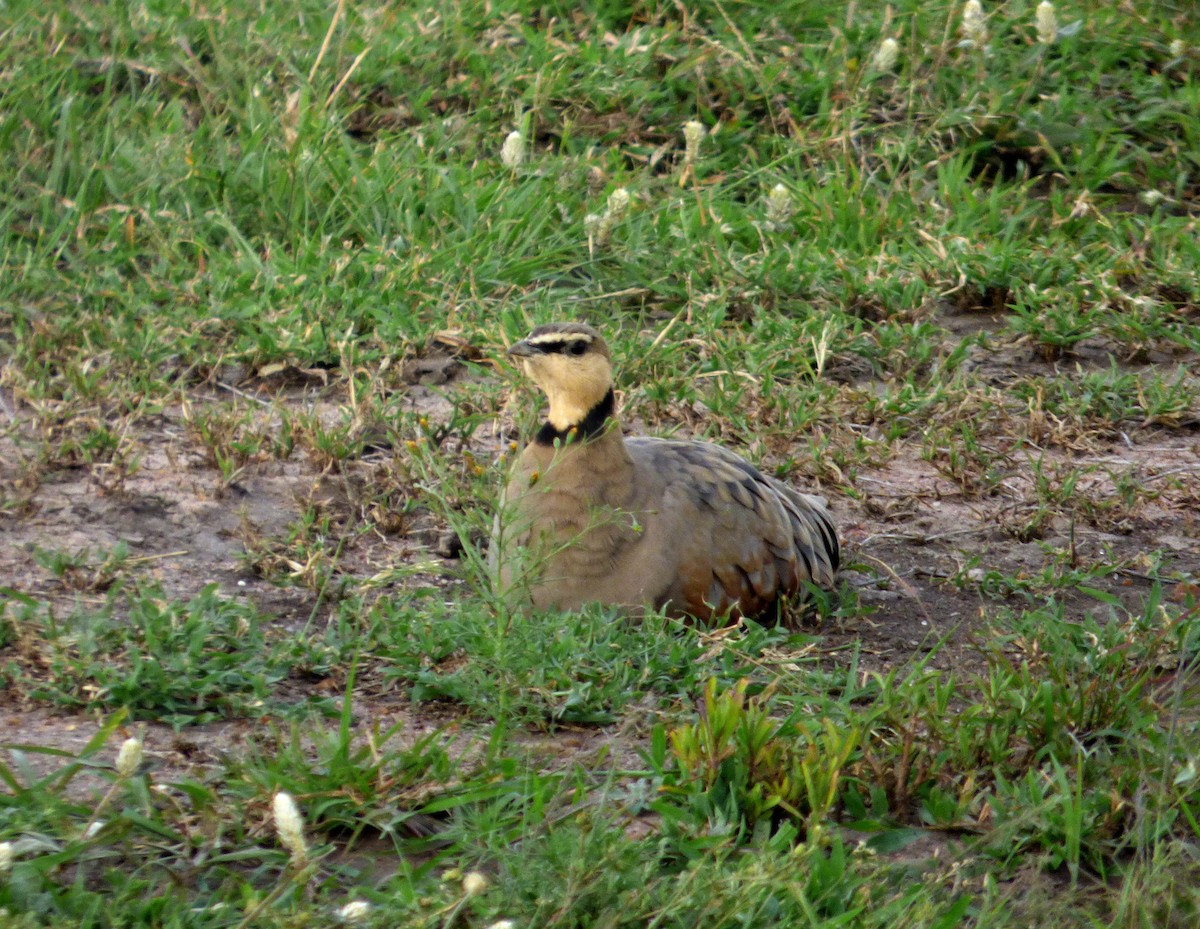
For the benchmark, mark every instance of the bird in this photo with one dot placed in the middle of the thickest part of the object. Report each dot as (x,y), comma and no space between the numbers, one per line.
(685,527)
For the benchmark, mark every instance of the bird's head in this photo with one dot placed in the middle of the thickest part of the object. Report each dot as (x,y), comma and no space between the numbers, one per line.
(572,366)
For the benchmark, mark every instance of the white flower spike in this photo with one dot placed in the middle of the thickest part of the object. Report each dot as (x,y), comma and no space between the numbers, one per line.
(356,911)
(779,207)
(618,203)
(474,883)
(128,758)
(290,827)
(1047,23)
(599,228)
(974,23)
(693,133)
(886,55)
(512,152)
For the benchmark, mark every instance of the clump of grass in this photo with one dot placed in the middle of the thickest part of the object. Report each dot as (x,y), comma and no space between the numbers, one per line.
(585,667)
(1046,755)
(744,769)
(160,658)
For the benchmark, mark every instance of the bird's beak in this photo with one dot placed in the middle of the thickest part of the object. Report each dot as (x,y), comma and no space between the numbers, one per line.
(522,349)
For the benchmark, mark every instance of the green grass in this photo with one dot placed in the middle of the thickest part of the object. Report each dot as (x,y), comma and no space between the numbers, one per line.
(228,231)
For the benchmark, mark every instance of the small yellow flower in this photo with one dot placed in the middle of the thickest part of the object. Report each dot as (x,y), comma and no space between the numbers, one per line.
(6,856)
(1177,48)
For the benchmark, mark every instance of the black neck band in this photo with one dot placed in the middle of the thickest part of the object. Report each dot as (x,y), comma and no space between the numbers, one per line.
(592,425)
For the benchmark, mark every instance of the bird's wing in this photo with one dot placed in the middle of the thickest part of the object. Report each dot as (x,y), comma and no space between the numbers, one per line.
(741,539)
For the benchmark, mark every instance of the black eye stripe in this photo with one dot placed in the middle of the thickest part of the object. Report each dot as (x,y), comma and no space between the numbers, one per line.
(574,347)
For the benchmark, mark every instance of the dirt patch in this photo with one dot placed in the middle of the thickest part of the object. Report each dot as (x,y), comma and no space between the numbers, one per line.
(924,549)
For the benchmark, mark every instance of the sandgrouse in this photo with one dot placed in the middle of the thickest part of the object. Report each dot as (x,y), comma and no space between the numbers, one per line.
(689,527)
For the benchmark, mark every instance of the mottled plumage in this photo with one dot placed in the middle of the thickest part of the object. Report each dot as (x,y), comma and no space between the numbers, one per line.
(691,527)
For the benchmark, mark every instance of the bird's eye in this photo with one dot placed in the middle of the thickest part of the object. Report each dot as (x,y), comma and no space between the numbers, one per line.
(577,348)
